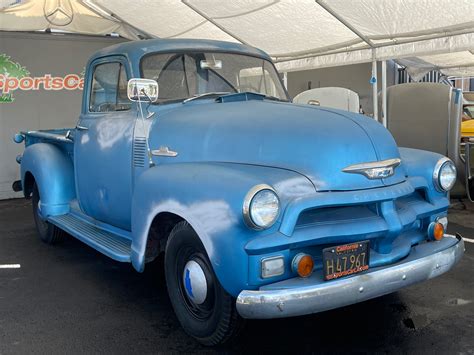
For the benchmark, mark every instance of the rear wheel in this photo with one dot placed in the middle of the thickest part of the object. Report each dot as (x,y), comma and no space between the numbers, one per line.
(205,310)
(48,233)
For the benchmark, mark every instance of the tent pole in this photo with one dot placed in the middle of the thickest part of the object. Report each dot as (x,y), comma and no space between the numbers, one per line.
(384,93)
(373,81)
(285,80)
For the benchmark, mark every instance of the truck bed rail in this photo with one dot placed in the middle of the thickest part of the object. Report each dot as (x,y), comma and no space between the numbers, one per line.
(62,136)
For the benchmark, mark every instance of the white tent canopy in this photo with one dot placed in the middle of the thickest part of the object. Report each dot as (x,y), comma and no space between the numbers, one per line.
(450,64)
(307,34)
(65,15)
(298,34)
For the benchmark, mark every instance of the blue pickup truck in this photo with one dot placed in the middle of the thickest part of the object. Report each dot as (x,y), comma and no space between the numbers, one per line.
(262,208)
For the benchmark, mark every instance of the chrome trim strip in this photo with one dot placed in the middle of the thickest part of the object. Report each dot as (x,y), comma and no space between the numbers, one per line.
(288,300)
(46,135)
(164,152)
(363,168)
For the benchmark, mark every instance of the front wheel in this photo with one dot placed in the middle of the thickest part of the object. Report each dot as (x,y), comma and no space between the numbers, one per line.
(204,309)
(48,233)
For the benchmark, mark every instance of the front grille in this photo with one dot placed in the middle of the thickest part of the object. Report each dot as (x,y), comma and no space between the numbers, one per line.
(337,215)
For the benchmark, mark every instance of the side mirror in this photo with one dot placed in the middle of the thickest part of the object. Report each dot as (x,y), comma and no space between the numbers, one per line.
(142,90)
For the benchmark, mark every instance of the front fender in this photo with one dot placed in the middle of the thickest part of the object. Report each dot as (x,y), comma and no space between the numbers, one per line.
(420,164)
(209,196)
(53,172)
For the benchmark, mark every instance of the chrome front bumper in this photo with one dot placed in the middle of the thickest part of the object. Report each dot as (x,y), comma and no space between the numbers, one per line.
(298,296)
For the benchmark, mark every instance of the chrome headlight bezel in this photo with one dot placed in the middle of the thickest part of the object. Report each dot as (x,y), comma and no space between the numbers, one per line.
(247,206)
(440,165)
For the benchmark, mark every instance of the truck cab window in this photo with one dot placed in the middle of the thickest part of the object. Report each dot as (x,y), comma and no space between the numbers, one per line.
(109,88)
(185,75)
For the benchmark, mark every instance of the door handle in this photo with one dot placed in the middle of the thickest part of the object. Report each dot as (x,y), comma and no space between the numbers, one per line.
(82,128)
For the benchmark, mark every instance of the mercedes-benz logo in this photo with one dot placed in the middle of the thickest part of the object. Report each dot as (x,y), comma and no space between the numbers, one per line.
(58,12)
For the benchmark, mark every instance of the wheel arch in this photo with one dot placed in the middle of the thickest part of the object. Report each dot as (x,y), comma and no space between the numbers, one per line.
(158,233)
(151,238)
(28,183)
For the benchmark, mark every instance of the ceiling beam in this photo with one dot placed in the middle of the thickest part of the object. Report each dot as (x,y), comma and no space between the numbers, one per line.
(211,20)
(344,22)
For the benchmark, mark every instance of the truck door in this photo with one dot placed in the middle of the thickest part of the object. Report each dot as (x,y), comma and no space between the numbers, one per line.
(103,144)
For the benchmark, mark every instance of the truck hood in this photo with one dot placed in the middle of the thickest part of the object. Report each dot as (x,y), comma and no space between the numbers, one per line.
(315,142)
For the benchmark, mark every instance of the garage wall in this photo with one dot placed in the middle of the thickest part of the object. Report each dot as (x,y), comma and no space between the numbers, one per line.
(354,77)
(31,109)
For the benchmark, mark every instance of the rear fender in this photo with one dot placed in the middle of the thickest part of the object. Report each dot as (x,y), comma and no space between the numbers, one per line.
(210,198)
(53,172)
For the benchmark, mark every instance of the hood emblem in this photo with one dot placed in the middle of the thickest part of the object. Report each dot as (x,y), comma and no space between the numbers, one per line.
(374,170)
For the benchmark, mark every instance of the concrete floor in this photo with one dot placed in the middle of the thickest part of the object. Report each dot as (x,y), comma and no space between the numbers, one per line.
(71,299)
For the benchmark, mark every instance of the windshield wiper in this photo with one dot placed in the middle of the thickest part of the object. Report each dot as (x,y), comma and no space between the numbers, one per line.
(216,93)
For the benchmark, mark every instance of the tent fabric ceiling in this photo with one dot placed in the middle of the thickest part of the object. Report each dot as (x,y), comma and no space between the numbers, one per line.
(307,34)
(298,34)
(67,16)
(450,64)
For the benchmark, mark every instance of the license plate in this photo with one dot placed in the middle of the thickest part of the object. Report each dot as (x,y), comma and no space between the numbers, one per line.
(344,260)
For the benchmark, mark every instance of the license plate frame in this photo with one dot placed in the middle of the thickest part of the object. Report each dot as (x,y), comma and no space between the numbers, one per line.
(337,260)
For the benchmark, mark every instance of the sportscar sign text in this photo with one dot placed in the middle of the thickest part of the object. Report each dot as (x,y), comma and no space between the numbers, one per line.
(14,77)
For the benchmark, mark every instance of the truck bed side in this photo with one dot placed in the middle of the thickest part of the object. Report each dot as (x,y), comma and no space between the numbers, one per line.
(62,138)
(48,162)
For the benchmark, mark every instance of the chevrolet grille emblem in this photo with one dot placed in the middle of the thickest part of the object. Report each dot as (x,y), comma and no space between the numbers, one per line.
(374,170)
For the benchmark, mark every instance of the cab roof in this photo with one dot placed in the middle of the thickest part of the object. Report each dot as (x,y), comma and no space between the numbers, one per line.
(136,49)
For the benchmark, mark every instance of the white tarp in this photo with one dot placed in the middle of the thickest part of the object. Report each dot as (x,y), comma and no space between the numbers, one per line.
(450,64)
(62,15)
(306,34)
(298,34)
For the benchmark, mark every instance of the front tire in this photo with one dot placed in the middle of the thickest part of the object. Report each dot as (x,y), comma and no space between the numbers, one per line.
(204,309)
(48,233)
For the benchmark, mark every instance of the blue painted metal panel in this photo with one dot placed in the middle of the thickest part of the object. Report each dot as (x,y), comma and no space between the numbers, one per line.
(54,175)
(209,196)
(103,160)
(317,143)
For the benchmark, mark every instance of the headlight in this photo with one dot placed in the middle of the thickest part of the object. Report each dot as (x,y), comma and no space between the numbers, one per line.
(261,207)
(444,175)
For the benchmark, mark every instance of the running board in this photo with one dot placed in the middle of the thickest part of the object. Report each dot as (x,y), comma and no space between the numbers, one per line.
(106,242)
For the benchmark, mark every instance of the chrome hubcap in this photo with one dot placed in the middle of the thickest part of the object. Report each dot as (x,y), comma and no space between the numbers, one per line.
(195,282)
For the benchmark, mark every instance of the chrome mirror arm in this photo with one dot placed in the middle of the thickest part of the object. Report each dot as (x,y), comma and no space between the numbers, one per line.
(467,166)
(149,114)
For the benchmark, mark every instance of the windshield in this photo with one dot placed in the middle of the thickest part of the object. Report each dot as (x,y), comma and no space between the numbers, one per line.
(184,75)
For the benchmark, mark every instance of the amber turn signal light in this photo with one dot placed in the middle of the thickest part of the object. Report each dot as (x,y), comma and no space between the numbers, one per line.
(436,231)
(303,264)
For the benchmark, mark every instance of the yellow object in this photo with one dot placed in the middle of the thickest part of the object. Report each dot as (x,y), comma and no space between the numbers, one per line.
(467,128)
